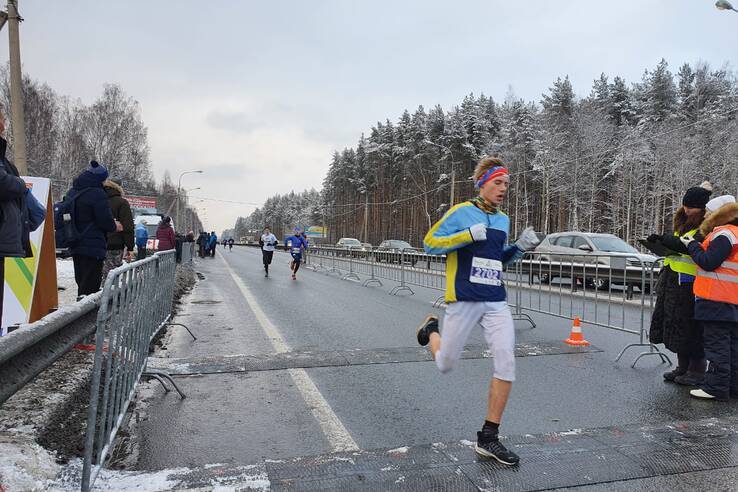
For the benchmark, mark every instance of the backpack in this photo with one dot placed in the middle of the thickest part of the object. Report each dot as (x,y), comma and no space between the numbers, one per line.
(65,217)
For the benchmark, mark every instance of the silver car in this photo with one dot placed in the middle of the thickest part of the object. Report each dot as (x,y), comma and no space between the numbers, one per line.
(607,250)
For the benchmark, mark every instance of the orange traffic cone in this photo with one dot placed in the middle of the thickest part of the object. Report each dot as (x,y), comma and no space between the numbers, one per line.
(576,337)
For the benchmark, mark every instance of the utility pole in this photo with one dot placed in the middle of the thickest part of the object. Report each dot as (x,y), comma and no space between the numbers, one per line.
(16,89)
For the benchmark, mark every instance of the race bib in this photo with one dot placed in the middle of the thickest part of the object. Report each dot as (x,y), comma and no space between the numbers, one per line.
(486,271)
(296,251)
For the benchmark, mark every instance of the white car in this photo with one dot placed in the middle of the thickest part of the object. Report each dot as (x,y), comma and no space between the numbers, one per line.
(589,247)
(348,242)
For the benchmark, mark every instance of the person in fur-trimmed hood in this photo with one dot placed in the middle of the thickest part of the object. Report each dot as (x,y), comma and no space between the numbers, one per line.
(672,322)
(716,305)
(118,240)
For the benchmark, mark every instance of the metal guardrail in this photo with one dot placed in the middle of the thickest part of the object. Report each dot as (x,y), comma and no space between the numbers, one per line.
(584,286)
(188,252)
(136,304)
(34,347)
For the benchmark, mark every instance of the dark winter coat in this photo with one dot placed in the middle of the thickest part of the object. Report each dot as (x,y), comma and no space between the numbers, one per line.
(165,235)
(121,210)
(14,225)
(93,218)
(672,321)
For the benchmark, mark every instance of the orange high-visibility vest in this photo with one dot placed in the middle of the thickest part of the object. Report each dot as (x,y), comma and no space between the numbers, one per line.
(721,284)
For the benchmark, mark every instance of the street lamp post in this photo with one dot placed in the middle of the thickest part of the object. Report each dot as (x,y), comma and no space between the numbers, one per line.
(179,189)
(188,215)
(724,5)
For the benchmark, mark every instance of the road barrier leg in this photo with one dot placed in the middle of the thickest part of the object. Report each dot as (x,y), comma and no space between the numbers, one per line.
(351,275)
(402,287)
(185,327)
(373,279)
(151,373)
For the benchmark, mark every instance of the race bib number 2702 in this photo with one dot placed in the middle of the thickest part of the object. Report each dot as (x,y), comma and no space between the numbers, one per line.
(486,271)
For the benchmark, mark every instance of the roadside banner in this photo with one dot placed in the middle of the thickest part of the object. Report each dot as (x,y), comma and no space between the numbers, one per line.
(30,291)
(142,202)
(316,231)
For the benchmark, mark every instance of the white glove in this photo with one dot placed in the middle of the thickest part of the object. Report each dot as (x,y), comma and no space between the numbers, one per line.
(686,239)
(478,232)
(527,240)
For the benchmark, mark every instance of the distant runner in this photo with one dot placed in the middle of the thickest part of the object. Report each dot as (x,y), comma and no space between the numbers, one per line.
(268,243)
(297,244)
(474,236)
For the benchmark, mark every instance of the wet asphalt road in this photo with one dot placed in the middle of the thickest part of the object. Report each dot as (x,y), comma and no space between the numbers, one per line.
(245,417)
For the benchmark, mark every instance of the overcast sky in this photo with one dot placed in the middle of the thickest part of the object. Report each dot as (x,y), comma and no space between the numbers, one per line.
(259,94)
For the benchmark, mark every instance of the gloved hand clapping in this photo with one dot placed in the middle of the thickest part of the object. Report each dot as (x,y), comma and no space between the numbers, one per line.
(528,240)
(478,232)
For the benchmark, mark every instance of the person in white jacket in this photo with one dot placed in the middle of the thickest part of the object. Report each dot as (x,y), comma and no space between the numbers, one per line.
(268,243)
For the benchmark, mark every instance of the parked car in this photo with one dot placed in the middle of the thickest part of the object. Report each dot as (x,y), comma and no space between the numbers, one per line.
(348,242)
(390,249)
(607,250)
(354,246)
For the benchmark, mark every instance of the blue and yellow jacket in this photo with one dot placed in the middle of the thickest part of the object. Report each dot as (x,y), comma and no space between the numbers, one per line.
(473,269)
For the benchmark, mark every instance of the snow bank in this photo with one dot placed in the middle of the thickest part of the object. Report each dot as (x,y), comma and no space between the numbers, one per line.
(25,465)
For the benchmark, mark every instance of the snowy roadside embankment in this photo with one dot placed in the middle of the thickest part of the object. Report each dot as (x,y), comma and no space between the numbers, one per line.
(42,427)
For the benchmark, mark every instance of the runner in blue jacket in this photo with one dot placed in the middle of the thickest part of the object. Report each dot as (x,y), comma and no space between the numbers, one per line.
(297,243)
(474,237)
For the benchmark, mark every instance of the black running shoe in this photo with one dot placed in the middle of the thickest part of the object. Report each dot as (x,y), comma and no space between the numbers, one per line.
(428,326)
(671,375)
(489,446)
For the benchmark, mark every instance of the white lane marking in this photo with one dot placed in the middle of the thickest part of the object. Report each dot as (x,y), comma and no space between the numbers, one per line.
(335,432)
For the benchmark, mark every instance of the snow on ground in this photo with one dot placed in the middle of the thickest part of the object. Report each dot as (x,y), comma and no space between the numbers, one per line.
(25,465)
(223,478)
(65,281)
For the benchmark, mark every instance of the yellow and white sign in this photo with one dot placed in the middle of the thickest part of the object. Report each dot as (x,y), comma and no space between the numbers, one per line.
(30,283)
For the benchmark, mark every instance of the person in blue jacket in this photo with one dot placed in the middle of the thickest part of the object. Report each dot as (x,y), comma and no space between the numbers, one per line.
(212,244)
(297,243)
(94,220)
(142,239)
(474,237)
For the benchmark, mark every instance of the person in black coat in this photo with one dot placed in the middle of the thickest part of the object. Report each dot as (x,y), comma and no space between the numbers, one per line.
(14,226)
(94,220)
(672,321)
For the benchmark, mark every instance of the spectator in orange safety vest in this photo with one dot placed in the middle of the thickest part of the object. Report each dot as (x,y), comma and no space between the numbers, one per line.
(716,305)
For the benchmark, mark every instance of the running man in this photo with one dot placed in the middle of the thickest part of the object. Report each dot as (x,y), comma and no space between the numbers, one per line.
(474,236)
(297,244)
(268,242)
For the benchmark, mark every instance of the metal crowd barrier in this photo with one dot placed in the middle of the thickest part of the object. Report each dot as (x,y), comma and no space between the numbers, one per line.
(136,304)
(188,252)
(600,290)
